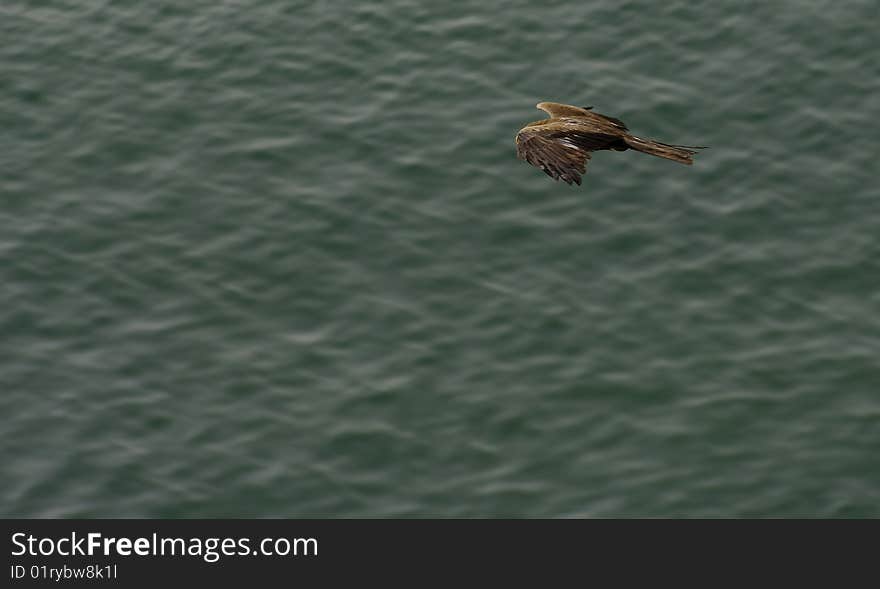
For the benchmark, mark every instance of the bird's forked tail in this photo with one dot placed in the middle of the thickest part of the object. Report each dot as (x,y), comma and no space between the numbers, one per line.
(683,154)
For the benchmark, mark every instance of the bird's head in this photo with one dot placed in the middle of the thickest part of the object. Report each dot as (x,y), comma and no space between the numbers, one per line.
(555,109)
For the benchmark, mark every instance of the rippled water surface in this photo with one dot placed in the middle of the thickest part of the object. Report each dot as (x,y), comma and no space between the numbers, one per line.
(278,258)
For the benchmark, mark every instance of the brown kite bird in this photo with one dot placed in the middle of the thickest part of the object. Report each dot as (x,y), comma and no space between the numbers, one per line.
(561,145)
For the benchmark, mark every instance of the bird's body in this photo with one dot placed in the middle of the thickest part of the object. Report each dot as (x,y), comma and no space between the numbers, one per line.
(561,145)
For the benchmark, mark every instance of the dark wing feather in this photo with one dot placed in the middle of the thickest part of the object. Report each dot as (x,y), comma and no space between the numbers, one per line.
(557,159)
(616,122)
(562,155)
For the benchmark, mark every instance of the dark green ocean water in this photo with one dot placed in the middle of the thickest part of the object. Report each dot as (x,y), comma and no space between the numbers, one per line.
(278,258)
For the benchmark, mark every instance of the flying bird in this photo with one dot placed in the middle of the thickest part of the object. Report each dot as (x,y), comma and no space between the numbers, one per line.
(561,145)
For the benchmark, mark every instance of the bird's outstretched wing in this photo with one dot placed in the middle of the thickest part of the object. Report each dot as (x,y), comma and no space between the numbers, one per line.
(562,155)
